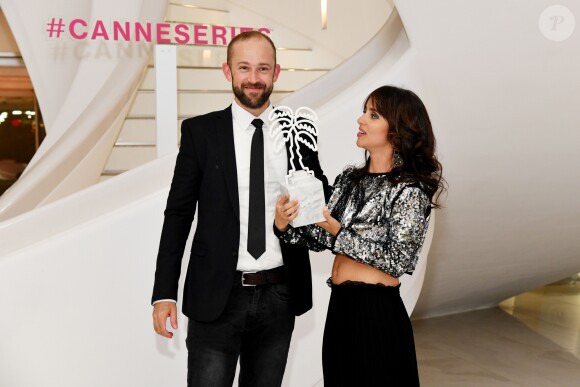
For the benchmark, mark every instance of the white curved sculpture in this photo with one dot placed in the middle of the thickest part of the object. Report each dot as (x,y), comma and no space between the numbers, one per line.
(84,89)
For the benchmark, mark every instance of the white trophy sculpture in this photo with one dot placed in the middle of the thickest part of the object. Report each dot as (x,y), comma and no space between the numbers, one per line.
(298,129)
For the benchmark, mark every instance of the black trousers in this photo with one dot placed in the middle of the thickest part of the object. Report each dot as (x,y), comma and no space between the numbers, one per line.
(368,338)
(256,326)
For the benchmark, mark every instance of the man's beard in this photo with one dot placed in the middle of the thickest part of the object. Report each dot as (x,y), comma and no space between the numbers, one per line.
(249,102)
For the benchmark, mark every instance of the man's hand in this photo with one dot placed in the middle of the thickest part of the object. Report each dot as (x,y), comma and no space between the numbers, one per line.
(286,211)
(161,311)
(331,225)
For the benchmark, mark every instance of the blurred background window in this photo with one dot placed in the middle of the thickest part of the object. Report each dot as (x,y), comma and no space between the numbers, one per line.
(21,125)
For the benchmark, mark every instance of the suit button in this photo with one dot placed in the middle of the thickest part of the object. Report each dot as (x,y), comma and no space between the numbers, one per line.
(234,253)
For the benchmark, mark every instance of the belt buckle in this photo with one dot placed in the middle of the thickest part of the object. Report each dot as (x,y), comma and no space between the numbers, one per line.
(243,274)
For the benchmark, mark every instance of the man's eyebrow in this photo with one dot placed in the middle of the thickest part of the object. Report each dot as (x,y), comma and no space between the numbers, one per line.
(259,64)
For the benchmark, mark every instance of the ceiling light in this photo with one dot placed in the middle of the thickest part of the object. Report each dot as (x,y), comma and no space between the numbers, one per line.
(323,12)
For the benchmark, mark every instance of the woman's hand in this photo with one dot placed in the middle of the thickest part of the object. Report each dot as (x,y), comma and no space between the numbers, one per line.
(286,211)
(331,225)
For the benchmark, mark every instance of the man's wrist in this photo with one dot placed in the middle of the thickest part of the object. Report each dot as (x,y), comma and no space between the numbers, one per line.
(164,300)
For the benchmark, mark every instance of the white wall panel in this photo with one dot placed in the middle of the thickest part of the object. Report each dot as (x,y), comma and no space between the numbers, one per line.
(125,158)
(138,130)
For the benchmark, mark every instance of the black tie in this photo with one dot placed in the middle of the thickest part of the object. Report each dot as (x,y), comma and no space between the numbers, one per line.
(257,212)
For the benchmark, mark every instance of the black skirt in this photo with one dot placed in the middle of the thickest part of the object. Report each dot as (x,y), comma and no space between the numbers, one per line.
(368,338)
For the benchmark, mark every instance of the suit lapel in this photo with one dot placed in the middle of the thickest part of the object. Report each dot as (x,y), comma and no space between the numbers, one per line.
(225,133)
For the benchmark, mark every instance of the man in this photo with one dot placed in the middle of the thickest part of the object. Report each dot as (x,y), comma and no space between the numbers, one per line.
(243,287)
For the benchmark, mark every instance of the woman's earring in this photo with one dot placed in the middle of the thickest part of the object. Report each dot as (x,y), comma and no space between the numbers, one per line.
(397,160)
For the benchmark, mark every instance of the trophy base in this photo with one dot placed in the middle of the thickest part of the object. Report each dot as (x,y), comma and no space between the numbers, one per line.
(308,190)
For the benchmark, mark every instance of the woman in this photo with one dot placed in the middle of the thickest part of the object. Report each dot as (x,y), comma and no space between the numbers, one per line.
(376,222)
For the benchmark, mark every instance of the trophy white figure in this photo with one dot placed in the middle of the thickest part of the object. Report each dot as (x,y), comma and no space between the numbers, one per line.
(298,129)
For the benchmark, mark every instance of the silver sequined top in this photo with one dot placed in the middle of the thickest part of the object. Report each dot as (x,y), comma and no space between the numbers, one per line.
(383,224)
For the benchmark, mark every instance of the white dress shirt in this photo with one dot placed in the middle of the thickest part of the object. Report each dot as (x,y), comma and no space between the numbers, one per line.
(275,167)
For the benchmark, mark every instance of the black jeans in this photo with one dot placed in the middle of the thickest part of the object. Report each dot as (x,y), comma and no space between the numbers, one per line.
(256,326)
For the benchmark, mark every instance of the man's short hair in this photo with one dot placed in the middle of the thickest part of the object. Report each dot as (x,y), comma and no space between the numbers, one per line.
(247,35)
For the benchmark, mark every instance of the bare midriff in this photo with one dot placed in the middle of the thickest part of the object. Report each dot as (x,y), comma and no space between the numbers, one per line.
(347,269)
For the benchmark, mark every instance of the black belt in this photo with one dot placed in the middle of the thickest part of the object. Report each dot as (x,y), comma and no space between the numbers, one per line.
(264,277)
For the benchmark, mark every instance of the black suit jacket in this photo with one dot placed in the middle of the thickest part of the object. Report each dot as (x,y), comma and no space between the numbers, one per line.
(205,176)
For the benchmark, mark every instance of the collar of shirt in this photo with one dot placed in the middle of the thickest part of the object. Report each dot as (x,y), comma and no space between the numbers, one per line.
(244,118)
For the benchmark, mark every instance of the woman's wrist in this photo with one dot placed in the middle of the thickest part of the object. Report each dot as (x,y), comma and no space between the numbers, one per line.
(281,229)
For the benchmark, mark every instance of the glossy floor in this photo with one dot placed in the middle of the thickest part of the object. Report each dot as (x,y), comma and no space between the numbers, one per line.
(531,340)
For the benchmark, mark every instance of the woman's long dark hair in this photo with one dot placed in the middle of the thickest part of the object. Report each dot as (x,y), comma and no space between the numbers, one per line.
(410,133)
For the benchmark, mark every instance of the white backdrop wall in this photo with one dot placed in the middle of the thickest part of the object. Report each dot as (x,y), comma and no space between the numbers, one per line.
(504,102)
(297,24)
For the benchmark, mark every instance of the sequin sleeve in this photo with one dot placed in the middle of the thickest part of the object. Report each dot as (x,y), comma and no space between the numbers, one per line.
(311,236)
(407,225)
(314,237)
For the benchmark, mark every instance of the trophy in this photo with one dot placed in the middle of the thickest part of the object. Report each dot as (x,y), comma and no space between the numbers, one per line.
(298,130)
